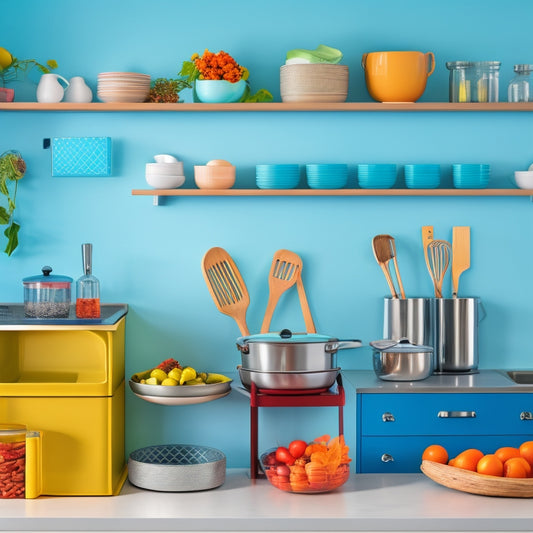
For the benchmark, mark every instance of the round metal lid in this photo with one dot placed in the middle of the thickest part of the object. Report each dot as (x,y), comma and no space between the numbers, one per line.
(399,346)
(286,336)
(47,278)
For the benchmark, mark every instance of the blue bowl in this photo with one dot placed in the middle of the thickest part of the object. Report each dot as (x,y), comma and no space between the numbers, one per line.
(376,176)
(470,176)
(219,91)
(422,176)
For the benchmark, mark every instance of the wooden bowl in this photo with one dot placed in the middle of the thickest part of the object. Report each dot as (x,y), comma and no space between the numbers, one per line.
(467,481)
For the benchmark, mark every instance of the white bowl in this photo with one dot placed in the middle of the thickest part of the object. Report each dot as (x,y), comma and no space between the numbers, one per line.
(165,182)
(524,179)
(165,169)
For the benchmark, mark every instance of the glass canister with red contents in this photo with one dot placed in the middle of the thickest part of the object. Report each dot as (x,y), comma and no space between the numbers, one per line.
(12,460)
(87,287)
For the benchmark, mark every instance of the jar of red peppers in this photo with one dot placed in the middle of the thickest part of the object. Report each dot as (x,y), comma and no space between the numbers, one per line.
(12,460)
(87,287)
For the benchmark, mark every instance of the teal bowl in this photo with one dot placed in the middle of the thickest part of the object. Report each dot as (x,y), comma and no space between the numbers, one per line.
(218,91)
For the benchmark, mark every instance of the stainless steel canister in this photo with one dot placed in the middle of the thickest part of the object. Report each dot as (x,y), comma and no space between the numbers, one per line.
(456,334)
(409,318)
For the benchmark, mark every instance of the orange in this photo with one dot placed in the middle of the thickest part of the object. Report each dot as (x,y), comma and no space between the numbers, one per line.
(490,465)
(506,452)
(436,453)
(468,459)
(451,462)
(526,465)
(526,451)
(514,467)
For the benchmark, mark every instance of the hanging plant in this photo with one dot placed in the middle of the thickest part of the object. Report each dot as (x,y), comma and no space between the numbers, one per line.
(12,169)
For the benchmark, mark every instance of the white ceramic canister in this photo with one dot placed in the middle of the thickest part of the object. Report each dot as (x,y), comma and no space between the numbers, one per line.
(78,91)
(49,89)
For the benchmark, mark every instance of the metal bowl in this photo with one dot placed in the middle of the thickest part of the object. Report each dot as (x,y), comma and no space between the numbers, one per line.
(177,468)
(288,380)
(403,366)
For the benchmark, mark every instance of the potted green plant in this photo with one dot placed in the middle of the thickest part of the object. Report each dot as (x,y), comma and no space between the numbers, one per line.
(12,69)
(166,90)
(12,169)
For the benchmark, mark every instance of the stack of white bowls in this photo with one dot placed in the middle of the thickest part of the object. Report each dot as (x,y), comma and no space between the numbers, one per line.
(165,173)
(123,86)
(314,82)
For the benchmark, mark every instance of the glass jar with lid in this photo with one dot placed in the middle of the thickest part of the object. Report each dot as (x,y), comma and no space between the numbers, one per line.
(519,89)
(47,296)
(460,80)
(13,453)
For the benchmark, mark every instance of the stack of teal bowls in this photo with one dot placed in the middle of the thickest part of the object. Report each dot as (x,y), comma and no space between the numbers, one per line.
(470,176)
(327,176)
(286,176)
(422,176)
(377,176)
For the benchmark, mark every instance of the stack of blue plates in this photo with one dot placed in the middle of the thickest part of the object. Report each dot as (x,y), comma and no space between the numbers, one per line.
(381,176)
(277,176)
(333,176)
(470,176)
(422,176)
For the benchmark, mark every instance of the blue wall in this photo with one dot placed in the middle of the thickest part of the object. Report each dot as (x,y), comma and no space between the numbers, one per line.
(149,257)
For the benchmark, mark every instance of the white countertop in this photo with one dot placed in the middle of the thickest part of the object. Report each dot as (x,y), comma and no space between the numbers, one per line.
(367,502)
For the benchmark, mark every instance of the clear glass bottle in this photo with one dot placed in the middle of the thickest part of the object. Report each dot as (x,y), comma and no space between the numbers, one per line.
(519,89)
(87,287)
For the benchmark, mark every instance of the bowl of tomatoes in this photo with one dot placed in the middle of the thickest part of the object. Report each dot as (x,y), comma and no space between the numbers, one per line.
(308,467)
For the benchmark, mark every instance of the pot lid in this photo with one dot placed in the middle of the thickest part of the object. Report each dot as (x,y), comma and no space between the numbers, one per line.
(47,278)
(287,336)
(399,346)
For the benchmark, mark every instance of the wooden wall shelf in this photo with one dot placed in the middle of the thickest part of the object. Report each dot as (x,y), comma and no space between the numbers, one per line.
(271,106)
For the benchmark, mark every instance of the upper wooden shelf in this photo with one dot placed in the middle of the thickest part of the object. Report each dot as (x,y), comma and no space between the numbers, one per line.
(271,106)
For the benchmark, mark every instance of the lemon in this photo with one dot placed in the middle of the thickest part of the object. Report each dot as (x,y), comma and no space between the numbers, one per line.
(5,58)
(152,381)
(175,373)
(159,374)
(169,381)
(187,374)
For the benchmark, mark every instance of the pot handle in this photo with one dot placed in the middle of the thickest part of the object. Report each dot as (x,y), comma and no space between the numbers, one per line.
(243,348)
(431,56)
(363,60)
(342,345)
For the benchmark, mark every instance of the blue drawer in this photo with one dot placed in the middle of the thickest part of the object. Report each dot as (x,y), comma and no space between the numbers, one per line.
(444,414)
(394,455)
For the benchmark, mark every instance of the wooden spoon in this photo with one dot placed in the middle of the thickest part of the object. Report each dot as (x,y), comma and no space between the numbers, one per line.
(284,273)
(439,259)
(460,256)
(226,286)
(385,251)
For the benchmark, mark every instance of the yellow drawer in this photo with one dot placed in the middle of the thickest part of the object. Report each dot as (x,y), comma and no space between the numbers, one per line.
(62,361)
(82,441)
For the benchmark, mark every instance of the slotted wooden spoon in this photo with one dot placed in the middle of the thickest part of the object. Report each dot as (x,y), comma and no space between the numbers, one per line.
(384,251)
(226,286)
(439,259)
(284,272)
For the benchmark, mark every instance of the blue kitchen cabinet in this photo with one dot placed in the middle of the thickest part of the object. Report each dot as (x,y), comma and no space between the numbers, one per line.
(394,429)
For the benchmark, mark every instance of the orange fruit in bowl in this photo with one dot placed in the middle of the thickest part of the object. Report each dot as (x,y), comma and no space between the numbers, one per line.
(515,467)
(526,451)
(468,459)
(435,453)
(506,452)
(490,465)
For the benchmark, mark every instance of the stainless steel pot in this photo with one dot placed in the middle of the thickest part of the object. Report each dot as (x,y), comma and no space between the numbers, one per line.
(402,361)
(291,352)
(288,380)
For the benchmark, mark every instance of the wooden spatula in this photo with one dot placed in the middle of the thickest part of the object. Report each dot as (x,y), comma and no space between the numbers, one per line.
(226,286)
(304,304)
(384,252)
(460,255)
(427,237)
(284,273)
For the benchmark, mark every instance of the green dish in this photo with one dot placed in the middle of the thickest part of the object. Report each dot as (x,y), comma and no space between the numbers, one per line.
(322,54)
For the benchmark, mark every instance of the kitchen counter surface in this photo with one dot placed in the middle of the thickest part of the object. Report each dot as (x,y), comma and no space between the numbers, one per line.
(367,502)
(483,381)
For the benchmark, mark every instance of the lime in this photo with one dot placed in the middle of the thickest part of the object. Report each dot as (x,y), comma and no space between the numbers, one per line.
(5,58)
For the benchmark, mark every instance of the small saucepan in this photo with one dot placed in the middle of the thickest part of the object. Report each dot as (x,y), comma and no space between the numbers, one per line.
(291,352)
(402,361)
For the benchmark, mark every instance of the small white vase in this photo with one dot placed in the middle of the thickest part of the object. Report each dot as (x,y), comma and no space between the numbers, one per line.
(49,89)
(78,91)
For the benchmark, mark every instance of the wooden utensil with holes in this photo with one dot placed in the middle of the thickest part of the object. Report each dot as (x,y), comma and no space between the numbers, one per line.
(304,304)
(460,255)
(226,286)
(427,237)
(284,273)
(384,252)
(439,260)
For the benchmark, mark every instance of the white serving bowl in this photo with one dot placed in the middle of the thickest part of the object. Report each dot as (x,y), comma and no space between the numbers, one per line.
(524,179)
(165,169)
(165,182)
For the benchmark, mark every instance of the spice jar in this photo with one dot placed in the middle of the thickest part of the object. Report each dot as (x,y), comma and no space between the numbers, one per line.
(519,89)
(47,296)
(13,460)
(486,87)
(460,80)
(87,287)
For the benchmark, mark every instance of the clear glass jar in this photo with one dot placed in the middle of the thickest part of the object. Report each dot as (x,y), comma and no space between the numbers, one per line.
(460,80)
(519,89)
(487,77)
(47,296)
(87,287)
(13,453)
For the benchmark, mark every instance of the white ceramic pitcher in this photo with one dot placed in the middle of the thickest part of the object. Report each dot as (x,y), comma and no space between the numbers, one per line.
(78,91)
(49,89)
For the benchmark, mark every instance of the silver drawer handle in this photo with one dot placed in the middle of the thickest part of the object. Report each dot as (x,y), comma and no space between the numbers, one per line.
(526,415)
(387,458)
(388,417)
(457,414)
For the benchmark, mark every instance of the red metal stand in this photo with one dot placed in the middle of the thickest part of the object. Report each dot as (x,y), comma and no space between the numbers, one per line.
(263,398)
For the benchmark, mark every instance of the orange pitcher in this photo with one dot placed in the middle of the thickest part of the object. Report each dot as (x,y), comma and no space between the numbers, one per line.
(397,76)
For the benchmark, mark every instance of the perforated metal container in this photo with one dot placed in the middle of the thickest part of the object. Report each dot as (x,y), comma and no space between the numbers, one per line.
(177,468)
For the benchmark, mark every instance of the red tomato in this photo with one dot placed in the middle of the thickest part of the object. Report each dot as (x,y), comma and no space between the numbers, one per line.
(284,456)
(297,448)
